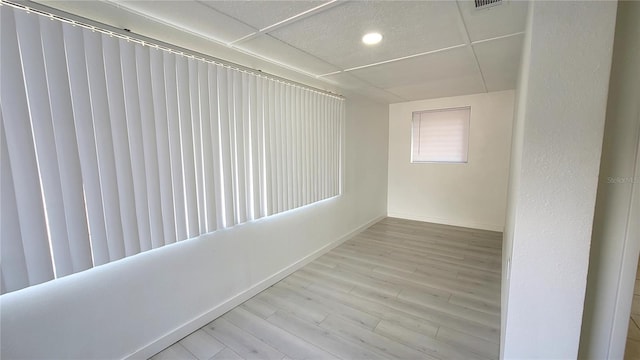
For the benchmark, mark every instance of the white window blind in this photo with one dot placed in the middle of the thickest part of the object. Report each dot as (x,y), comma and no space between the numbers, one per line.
(110,146)
(440,135)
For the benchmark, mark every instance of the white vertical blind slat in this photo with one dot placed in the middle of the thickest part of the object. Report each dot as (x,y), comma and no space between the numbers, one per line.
(299,149)
(82,113)
(186,132)
(334,146)
(163,148)
(279,155)
(20,148)
(337,150)
(313,149)
(208,196)
(332,134)
(150,146)
(32,56)
(66,145)
(239,150)
(226,146)
(122,156)
(104,144)
(267,98)
(305,144)
(317,149)
(231,106)
(325,150)
(294,146)
(320,145)
(330,147)
(15,274)
(342,140)
(134,130)
(248,138)
(258,153)
(196,130)
(175,146)
(304,114)
(214,148)
(288,150)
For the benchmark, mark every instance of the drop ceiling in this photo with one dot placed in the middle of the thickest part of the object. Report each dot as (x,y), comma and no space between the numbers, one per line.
(429,48)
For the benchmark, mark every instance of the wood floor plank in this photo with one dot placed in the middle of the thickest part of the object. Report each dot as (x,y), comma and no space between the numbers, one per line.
(400,289)
(325,339)
(469,343)
(475,304)
(259,307)
(358,279)
(241,342)
(379,260)
(281,340)
(433,316)
(320,277)
(227,354)
(292,305)
(412,285)
(202,345)
(380,310)
(428,345)
(358,316)
(292,280)
(430,302)
(388,348)
(173,352)
(424,279)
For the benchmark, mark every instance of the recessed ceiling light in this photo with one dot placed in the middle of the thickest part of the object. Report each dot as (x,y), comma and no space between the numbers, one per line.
(372,38)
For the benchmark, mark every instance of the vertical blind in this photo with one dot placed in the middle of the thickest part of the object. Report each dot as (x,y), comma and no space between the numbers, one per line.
(110,147)
(440,135)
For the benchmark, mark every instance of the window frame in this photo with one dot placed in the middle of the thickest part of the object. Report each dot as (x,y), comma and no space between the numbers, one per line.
(468,136)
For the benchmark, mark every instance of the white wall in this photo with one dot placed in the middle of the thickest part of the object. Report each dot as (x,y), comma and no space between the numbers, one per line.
(557,146)
(614,245)
(515,168)
(472,194)
(141,304)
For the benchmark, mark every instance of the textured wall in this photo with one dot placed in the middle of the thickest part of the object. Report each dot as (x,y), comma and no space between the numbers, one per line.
(561,111)
(614,245)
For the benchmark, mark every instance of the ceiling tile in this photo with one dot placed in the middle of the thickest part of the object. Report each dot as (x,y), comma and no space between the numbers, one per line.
(191,16)
(380,95)
(508,18)
(500,60)
(421,69)
(274,49)
(353,84)
(263,13)
(408,28)
(346,80)
(450,86)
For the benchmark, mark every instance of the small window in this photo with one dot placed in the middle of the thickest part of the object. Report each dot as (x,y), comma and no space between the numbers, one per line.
(440,135)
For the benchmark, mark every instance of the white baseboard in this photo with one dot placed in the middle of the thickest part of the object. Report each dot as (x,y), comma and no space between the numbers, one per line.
(466,224)
(219,310)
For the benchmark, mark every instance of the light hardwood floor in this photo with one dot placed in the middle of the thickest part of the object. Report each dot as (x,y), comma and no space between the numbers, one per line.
(401,289)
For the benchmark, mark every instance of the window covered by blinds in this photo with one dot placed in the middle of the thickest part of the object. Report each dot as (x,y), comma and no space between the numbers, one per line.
(110,147)
(440,135)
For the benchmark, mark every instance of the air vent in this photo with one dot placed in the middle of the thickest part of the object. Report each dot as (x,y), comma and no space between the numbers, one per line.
(485,4)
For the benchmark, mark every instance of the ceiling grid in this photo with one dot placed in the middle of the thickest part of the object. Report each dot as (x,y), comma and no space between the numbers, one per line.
(429,48)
